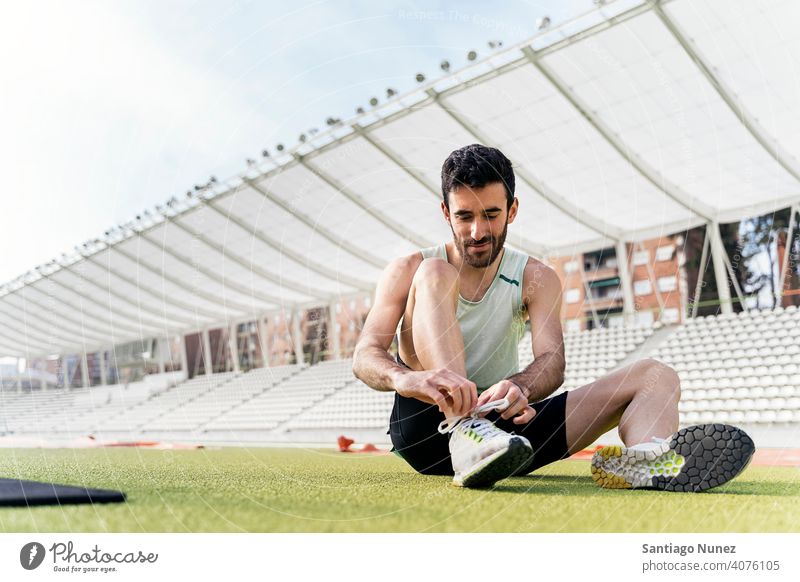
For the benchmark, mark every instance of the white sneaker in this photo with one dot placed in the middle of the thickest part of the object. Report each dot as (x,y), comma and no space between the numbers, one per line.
(480,452)
(695,458)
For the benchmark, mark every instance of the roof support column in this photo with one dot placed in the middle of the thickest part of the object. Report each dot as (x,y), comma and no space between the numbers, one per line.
(207,359)
(720,272)
(333,333)
(85,370)
(233,346)
(162,367)
(263,341)
(787,250)
(625,282)
(101,355)
(700,274)
(65,368)
(735,282)
(296,336)
(19,376)
(184,358)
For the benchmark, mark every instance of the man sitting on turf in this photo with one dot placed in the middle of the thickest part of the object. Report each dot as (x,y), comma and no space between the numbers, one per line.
(463,306)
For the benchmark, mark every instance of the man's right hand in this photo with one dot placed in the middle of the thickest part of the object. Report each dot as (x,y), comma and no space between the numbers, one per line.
(451,392)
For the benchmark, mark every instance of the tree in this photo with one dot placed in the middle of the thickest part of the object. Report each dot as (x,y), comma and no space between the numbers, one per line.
(759,235)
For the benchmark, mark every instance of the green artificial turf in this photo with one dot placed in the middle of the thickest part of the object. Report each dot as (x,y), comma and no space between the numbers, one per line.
(288,490)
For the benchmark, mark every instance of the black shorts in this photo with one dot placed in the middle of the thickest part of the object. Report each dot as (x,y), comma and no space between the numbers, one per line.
(414,425)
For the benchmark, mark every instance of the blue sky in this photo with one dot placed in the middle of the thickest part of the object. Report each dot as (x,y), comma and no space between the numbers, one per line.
(109,108)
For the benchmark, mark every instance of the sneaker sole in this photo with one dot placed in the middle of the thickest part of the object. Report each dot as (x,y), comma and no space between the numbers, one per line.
(694,459)
(498,466)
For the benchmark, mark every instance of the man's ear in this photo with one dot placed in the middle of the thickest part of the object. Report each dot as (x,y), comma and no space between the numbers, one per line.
(512,212)
(445,212)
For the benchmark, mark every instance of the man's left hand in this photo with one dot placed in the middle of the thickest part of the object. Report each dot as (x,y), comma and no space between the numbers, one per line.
(518,398)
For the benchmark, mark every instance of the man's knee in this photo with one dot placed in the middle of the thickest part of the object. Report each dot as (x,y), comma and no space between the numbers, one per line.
(655,374)
(437,274)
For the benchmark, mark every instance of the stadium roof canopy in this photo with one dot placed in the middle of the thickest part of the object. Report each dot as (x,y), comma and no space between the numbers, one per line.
(632,121)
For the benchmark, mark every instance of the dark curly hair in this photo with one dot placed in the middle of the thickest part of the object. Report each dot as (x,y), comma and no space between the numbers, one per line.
(475,166)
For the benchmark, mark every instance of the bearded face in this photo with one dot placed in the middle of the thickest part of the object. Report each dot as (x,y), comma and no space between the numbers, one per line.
(481,253)
(479,219)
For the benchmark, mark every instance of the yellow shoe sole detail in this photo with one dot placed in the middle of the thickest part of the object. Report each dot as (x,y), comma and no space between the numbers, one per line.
(611,458)
(605,479)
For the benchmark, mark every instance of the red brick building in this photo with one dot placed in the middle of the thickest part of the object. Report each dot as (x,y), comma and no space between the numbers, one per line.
(592,284)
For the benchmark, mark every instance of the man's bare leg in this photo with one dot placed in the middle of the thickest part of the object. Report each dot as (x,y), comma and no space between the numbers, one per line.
(430,337)
(642,399)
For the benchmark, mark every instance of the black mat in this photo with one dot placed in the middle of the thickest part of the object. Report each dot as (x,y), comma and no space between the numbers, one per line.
(19,493)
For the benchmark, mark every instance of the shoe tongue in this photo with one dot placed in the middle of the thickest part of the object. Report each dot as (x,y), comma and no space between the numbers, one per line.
(482,426)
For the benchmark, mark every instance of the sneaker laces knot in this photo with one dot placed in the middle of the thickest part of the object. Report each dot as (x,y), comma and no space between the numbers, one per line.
(483,428)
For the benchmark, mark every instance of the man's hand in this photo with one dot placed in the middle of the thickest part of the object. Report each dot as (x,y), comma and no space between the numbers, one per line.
(452,393)
(517,397)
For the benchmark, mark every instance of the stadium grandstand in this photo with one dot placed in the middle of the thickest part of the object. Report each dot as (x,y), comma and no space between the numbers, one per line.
(657,163)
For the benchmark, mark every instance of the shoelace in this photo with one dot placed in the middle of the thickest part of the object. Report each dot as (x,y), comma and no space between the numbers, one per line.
(450,424)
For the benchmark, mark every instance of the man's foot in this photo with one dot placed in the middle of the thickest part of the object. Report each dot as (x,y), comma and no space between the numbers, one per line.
(695,458)
(483,454)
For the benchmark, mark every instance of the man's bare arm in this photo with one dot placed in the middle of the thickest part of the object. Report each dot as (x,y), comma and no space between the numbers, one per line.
(545,374)
(377,369)
(541,377)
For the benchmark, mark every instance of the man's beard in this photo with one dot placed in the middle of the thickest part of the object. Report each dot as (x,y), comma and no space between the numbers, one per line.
(485,257)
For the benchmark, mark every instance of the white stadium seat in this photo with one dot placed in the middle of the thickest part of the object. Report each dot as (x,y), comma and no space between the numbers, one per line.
(755,378)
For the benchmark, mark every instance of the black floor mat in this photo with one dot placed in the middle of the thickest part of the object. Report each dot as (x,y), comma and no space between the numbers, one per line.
(19,493)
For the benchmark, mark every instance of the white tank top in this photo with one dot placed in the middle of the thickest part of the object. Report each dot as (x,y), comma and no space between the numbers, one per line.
(492,327)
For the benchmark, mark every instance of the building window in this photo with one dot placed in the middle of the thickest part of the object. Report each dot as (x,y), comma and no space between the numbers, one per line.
(641,258)
(665,253)
(644,317)
(667,283)
(642,287)
(570,267)
(572,295)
